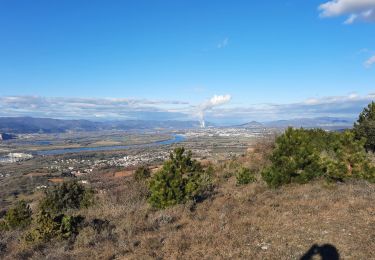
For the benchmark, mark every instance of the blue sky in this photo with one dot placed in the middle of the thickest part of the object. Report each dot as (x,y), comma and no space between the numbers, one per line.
(173,56)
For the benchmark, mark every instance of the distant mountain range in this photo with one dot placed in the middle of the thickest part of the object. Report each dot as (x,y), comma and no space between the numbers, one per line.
(328,123)
(47,125)
(252,124)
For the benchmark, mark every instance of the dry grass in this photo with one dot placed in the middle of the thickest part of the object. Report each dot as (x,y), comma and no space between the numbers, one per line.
(254,222)
(248,222)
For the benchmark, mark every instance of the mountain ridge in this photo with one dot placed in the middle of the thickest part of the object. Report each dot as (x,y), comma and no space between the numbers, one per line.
(50,125)
(29,125)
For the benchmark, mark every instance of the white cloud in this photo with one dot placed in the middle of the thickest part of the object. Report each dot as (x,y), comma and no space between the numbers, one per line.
(370,62)
(348,106)
(355,10)
(107,108)
(224,43)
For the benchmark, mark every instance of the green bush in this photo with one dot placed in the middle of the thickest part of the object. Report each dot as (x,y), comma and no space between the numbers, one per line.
(49,226)
(181,179)
(302,155)
(19,216)
(142,173)
(51,220)
(365,127)
(69,226)
(46,228)
(245,176)
(69,195)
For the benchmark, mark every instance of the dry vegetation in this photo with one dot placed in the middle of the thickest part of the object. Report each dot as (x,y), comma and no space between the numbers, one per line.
(237,222)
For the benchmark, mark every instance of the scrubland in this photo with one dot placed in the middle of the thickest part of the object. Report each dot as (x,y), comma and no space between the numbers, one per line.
(248,219)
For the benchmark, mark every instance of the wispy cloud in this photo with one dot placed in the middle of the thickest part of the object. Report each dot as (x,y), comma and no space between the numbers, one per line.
(224,43)
(370,62)
(354,10)
(90,108)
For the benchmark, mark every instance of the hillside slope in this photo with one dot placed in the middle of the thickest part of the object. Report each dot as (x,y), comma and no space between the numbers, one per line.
(254,222)
(248,222)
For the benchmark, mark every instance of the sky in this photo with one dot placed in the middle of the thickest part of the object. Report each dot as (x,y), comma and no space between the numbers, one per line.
(222,60)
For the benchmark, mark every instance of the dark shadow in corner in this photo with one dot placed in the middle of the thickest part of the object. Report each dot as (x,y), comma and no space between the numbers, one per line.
(326,252)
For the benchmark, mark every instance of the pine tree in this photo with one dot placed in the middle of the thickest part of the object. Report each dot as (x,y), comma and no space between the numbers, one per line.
(365,126)
(180,179)
(302,155)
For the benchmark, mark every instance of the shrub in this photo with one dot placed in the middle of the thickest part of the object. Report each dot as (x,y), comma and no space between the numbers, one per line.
(346,158)
(302,155)
(96,232)
(142,173)
(19,216)
(51,220)
(49,226)
(69,195)
(181,179)
(245,176)
(365,127)
(69,226)
(46,228)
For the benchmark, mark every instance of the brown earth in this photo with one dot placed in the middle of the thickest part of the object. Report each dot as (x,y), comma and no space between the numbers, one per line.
(36,174)
(56,180)
(123,174)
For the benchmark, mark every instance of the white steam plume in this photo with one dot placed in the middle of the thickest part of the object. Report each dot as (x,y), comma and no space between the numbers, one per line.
(210,104)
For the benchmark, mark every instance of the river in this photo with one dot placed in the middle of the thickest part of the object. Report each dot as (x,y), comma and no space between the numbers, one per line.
(174,140)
